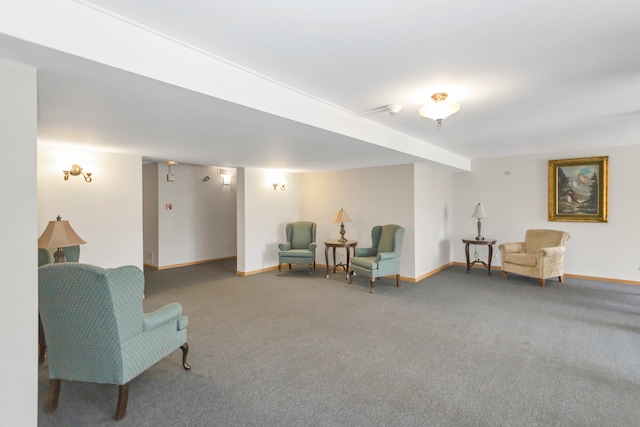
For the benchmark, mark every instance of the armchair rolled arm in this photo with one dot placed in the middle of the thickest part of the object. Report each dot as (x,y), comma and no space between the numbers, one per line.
(169,313)
(386,255)
(513,247)
(551,252)
(365,252)
(313,246)
(284,246)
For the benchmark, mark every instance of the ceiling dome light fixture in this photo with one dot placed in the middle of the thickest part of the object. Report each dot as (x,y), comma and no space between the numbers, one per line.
(440,109)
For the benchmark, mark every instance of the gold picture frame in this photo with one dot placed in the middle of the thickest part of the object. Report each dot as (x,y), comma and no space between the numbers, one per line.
(578,189)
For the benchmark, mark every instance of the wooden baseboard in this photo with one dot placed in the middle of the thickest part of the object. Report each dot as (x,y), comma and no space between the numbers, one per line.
(186,264)
(575,276)
(603,279)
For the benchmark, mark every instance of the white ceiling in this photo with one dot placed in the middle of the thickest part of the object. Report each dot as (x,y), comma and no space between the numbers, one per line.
(532,76)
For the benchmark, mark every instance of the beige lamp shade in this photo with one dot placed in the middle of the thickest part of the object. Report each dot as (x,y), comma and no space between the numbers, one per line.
(478,212)
(342,216)
(59,234)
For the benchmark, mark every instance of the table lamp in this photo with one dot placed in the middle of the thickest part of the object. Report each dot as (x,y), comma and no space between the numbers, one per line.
(479,213)
(59,234)
(342,217)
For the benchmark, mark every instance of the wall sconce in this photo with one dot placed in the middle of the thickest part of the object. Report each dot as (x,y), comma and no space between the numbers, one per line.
(171,177)
(279,183)
(226,176)
(75,171)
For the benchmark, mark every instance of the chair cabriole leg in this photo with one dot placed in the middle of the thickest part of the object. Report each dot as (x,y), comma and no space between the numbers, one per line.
(185,349)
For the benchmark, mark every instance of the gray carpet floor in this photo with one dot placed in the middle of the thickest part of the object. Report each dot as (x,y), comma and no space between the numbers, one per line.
(455,349)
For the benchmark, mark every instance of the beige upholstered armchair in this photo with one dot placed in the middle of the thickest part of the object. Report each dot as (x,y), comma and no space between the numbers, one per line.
(541,255)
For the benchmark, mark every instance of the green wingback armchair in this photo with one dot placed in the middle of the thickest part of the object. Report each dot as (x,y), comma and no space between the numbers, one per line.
(541,255)
(45,256)
(300,247)
(96,329)
(382,258)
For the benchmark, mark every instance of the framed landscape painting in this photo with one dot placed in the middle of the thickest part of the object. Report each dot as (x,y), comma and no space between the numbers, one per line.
(578,189)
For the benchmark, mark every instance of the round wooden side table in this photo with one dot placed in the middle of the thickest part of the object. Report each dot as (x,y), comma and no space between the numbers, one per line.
(486,242)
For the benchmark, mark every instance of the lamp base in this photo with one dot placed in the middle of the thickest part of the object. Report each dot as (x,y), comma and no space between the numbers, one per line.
(479,236)
(342,239)
(58,256)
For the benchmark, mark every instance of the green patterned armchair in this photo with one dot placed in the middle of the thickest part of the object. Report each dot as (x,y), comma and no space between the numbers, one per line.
(300,247)
(96,329)
(46,256)
(382,258)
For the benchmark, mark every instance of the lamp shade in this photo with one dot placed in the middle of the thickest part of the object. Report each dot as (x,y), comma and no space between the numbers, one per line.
(342,216)
(59,234)
(478,212)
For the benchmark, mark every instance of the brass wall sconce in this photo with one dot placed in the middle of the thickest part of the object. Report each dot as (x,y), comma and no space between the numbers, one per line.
(281,184)
(75,171)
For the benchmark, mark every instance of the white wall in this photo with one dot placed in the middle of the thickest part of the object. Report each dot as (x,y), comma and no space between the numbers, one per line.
(370,196)
(19,260)
(433,198)
(518,201)
(106,213)
(201,225)
(150,213)
(264,213)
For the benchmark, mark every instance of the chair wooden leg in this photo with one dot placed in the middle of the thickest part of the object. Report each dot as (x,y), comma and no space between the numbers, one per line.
(350,276)
(561,278)
(279,268)
(371,281)
(397,280)
(504,274)
(52,397)
(289,266)
(310,270)
(541,282)
(123,399)
(185,349)
(42,342)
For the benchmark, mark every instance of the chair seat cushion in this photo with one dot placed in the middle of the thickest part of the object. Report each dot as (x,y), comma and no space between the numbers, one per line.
(296,253)
(529,260)
(368,262)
